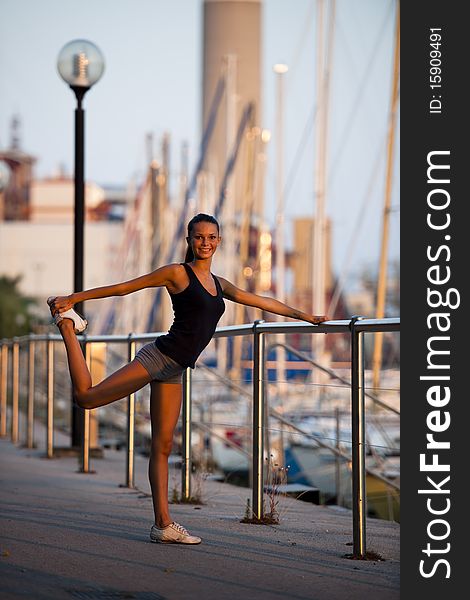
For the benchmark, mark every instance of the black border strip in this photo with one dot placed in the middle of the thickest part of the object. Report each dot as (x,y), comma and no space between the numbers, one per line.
(422,132)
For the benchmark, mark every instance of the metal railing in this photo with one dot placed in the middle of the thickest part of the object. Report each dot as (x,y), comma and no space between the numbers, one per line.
(356,327)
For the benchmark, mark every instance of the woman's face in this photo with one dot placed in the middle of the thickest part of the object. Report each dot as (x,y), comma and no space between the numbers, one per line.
(204,240)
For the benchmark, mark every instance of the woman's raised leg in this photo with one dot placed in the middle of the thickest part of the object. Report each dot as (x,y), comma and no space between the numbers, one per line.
(165,405)
(120,384)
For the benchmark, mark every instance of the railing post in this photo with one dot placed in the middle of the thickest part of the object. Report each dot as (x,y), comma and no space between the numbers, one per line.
(258,420)
(4,390)
(30,418)
(358,440)
(338,461)
(85,442)
(130,422)
(15,389)
(186,436)
(50,397)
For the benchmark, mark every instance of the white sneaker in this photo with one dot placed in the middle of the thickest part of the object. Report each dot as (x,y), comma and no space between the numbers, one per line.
(79,323)
(174,533)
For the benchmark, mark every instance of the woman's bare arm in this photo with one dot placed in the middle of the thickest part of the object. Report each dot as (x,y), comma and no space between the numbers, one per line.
(232,292)
(160,277)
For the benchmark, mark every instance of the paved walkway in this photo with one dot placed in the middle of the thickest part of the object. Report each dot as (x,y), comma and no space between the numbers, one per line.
(66,535)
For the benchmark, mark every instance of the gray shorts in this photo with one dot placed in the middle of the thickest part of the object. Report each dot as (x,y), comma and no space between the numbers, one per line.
(159,366)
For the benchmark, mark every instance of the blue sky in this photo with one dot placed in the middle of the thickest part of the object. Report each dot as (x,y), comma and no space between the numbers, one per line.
(152,83)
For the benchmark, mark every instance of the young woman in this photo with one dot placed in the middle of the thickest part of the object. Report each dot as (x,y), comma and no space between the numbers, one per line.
(198,304)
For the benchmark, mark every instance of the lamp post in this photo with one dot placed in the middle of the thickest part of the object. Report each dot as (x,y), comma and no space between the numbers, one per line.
(80,64)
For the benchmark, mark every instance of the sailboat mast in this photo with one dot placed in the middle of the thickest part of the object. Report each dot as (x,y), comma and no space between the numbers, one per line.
(319,263)
(228,210)
(382,280)
(280,70)
(318,291)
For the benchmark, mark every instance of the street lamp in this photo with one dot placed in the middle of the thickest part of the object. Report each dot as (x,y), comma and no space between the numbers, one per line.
(80,64)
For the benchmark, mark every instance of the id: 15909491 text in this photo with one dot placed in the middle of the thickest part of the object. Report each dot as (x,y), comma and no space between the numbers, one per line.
(435,70)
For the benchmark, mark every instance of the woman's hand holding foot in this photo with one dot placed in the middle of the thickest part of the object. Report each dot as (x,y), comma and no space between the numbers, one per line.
(60,303)
(61,310)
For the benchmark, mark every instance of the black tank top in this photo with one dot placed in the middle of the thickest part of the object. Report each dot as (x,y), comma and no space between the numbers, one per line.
(197,313)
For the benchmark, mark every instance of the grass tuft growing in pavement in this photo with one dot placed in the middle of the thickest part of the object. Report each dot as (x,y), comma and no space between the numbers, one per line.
(276,476)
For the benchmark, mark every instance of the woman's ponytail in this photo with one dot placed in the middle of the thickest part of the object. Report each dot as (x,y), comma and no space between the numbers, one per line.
(189,255)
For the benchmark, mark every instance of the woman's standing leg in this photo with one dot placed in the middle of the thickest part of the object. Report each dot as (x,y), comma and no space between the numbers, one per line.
(165,405)
(120,384)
